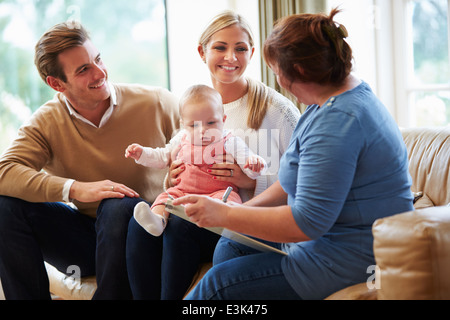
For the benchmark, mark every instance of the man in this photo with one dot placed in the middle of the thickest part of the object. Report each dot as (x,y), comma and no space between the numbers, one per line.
(72,152)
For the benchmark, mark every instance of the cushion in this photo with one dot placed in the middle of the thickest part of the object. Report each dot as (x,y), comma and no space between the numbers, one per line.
(412,251)
(429,154)
(203,269)
(423,202)
(357,292)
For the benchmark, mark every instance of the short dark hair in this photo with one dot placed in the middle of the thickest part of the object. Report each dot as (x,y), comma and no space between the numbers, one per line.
(61,37)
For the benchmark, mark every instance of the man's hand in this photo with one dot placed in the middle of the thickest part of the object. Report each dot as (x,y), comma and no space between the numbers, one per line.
(97,191)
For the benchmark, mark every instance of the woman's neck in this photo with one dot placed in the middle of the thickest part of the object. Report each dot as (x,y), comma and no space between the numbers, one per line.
(231,91)
(324,93)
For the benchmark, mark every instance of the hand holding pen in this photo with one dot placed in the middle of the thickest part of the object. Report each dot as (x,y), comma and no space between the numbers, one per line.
(204,211)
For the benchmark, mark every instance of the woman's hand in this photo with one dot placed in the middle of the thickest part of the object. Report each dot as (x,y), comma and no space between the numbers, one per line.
(175,169)
(231,172)
(274,224)
(228,172)
(204,211)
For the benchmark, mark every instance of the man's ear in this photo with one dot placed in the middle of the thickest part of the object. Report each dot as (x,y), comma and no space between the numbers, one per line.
(55,84)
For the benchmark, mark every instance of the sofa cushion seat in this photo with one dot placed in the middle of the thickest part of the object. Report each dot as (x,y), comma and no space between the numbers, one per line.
(359,291)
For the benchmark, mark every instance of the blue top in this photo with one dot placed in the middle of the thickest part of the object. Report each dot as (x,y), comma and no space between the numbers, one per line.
(345,167)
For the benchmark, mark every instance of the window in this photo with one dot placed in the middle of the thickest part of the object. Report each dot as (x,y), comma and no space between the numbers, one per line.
(401,49)
(424,72)
(131,39)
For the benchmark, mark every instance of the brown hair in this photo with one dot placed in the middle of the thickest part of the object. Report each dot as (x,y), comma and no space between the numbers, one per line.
(62,36)
(310,48)
(258,98)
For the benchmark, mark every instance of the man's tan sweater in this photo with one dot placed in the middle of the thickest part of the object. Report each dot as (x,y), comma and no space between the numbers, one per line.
(55,146)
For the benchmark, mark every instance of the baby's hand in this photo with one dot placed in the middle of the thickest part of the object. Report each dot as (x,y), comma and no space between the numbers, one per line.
(134,151)
(254,163)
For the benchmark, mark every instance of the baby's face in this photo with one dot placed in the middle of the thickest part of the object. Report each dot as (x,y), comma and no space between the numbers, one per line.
(203,120)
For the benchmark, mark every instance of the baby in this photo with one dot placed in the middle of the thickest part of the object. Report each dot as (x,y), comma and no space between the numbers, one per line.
(201,143)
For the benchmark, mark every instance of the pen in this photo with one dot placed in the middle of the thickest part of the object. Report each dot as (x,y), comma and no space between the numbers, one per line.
(226,194)
(170,196)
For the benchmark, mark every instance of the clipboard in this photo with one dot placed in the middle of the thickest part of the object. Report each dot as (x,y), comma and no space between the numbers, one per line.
(235,236)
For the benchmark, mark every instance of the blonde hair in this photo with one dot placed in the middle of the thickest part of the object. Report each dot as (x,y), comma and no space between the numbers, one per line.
(200,92)
(258,95)
(61,37)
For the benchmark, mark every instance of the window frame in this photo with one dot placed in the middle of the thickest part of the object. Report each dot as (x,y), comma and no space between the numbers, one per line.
(403,64)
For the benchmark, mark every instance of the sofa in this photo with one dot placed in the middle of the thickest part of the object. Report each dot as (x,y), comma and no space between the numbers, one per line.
(412,249)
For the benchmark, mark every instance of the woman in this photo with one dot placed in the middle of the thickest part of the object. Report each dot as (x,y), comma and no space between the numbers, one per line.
(254,112)
(345,167)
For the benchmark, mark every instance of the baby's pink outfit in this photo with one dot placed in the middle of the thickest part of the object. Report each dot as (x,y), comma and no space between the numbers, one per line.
(195,179)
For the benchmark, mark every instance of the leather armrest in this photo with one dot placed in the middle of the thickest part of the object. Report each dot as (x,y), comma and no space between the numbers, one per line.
(412,251)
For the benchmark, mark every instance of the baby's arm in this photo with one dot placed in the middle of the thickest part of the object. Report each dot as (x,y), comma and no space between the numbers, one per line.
(148,157)
(255,163)
(153,157)
(134,151)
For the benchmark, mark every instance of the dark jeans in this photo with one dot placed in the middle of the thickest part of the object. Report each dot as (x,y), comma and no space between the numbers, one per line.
(166,272)
(31,233)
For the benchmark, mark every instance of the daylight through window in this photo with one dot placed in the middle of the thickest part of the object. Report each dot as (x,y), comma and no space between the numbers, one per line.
(131,39)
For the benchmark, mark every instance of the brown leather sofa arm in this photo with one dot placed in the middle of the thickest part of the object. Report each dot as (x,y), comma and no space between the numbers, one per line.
(412,251)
